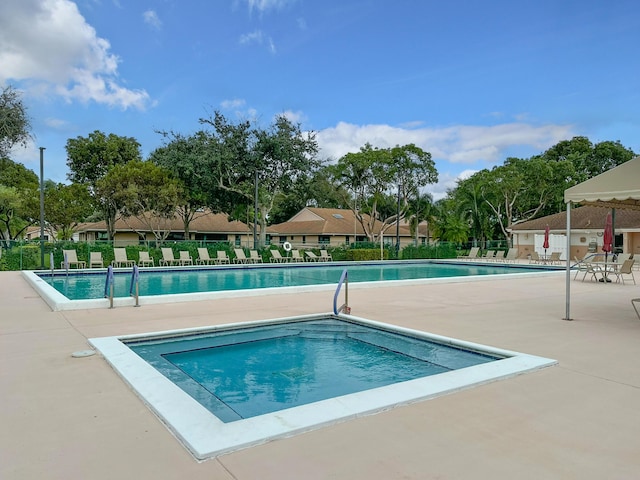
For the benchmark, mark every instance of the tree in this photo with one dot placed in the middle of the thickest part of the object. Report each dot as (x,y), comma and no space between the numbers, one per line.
(144,191)
(449,224)
(90,158)
(19,199)
(372,175)
(15,125)
(274,159)
(420,209)
(65,207)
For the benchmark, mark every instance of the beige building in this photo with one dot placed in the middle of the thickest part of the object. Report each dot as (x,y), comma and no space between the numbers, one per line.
(206,226)
(316,227)
(587,228)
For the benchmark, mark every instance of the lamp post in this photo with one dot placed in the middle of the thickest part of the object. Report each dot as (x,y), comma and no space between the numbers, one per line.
(255,210)
(42,208)
(398,223)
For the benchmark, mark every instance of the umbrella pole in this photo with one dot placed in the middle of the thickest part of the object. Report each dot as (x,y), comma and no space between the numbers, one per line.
(568,273)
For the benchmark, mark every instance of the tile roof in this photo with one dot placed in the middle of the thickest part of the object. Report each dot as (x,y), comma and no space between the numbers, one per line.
(583,218)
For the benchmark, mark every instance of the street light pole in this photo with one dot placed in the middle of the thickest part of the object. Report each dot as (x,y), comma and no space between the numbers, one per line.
(42,208)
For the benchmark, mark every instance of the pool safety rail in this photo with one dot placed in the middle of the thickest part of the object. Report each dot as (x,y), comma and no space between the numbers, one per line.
(134,287)
(108,286)
(344,278)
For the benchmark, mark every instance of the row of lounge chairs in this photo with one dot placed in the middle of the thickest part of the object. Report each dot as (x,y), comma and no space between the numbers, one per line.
(184,258)
(491,255)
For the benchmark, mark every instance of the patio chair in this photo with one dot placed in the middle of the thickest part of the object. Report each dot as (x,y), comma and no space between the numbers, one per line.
(554,258)
(473,253)
(534,258)
(254,257)
(168,258)
(203,257)
(185,258)
(511,255)
(276,257)
(296,257)
(312,257)
(240,256)
(325,256)
(490,255)
(121,259)
(221,258)
(95,260)
(499,256)
(633,304)
(144,260)
(581,266)
(71,259)
(625,269)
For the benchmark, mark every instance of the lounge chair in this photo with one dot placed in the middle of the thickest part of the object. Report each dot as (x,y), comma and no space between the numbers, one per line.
(95,260)
(511,255)
(221,258)
(473,254)
(254,257)
(240,256)
(633,304)
(144,260)
(168,258)
(325,256)
(203,257)
(581,266)
(499,256)
(121,259)
(554,258)
(296,257)
(312,257)
(71,259)
(490,255)
(276,257)
(534,258)
(185,258)
(625,269)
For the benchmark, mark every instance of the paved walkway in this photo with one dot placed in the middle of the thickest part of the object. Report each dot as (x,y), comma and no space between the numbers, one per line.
(68,418)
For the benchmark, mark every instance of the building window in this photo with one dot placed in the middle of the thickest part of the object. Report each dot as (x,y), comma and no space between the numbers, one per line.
(326,239)
(304,239)
(282,240)
(238,240)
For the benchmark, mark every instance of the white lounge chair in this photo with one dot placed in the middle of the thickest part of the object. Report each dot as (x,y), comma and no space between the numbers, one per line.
(70,259)
(296,257)
(168,258)
(203,257)
(185,258)
(95,260)
(144,260)
(121,259)
(511,255)
(473,253)
(240,256)
(625,269)
(255,257)
(221,258)
(311,257)
(276,257)
(325,256)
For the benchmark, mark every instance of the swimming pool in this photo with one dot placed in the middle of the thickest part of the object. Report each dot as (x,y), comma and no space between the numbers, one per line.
(85,289)
(183,410)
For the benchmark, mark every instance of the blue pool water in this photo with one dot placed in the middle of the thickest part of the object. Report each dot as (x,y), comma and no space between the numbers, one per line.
(90,285)
(243,373)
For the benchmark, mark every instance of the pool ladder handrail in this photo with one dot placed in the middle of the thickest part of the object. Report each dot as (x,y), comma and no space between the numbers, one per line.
(344,278)
(108,286)
(134,289)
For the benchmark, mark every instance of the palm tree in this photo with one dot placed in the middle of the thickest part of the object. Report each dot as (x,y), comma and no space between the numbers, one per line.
(420,209)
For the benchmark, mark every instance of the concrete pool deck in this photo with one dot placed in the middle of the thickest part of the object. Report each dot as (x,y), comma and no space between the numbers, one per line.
(65,417)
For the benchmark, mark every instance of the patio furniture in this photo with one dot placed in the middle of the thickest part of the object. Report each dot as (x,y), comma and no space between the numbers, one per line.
(255,257)
(95,260)
(240,256)
(71,259)
(185,258)
(144,260)
(296,257)
(312,257)
(633,304)
(276,257)
(325,256)
(203,257)
(625,269)
(121,259)
(168,258)
(473,253)
(221,258)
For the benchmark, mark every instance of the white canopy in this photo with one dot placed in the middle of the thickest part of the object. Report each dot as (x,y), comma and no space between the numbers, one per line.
(615,188)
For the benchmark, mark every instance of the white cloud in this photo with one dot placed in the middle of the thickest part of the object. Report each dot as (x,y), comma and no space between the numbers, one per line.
(295,117)
(264,5)
(456,144)
(259,38)
(233,103)
(49,45)
(151,18)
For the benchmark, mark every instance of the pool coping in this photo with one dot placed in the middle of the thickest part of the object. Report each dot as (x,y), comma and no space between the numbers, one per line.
(205,436)
(58,302)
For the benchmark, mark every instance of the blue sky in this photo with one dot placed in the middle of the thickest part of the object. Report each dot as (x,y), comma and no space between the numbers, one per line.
(472,82)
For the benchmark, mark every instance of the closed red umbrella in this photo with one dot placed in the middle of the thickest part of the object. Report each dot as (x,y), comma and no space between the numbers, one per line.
(545,244)
(607,244)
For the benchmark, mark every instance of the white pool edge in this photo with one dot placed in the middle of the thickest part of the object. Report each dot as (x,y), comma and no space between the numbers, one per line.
(58,302)
(205,436)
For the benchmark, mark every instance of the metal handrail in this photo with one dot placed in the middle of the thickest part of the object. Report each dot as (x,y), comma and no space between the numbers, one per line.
(108,286)
(135,277)
(344,278)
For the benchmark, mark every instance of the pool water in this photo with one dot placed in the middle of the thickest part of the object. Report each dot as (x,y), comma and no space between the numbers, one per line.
(265,369)
(90,285)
